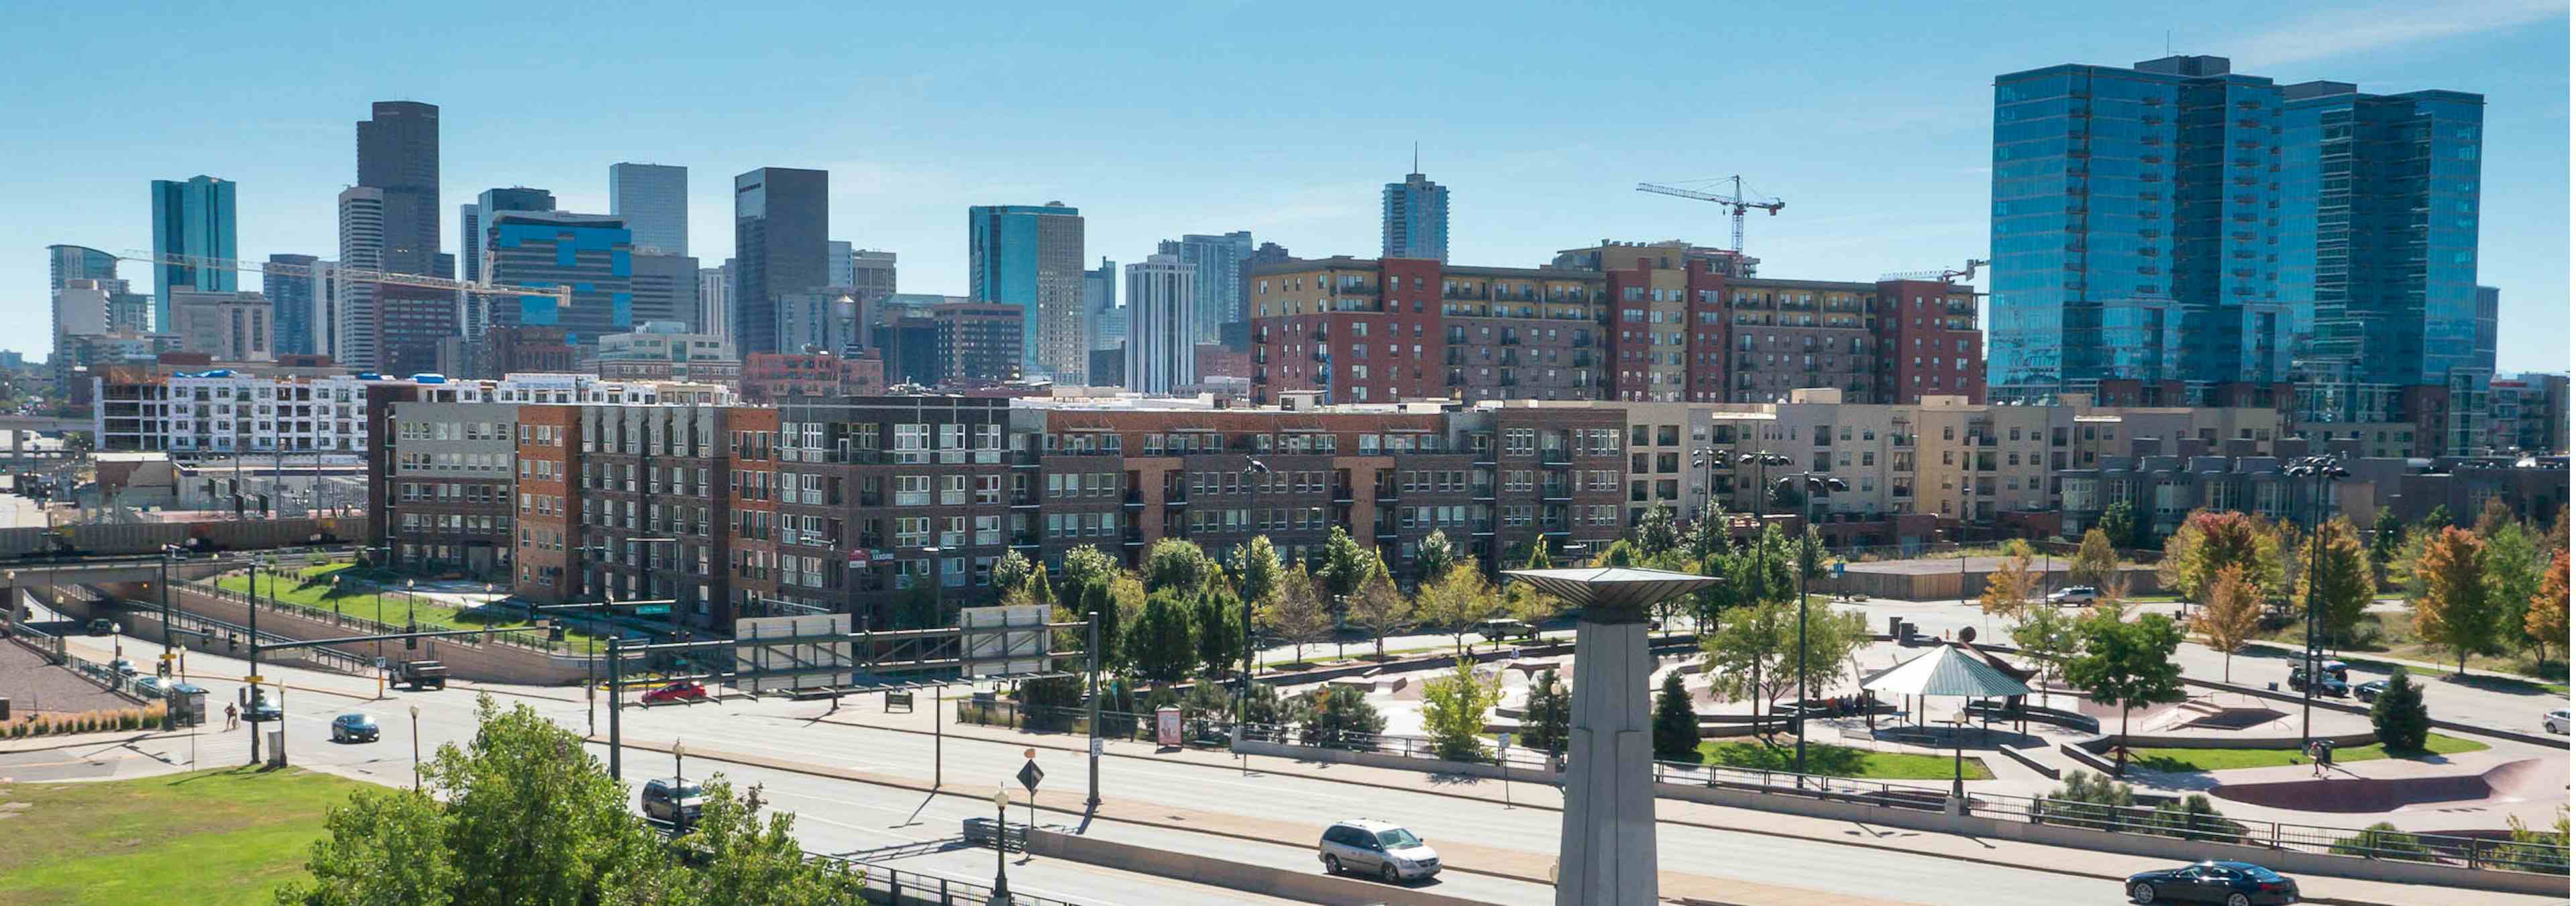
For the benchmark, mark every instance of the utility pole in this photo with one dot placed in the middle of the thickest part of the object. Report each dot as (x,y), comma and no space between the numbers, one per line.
(254,659)
(1093,647)
(616,742)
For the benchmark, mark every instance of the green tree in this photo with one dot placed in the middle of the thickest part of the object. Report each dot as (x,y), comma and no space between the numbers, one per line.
(2341,585)
(2128,664)
(1010,572)
(2455,611)
(1454,708)
(2194,817)
(918,607)
(1832,636)
(2398,716)
(2048,637)
(1341,716)
(2387,536)
(1708,533)
(1656,535)
(2514,569)
(1676,724)
(2095,559)
(381,848)
(1347,567)
(1436,555)
(2230,617)
(1086,564)
(2089,800)
(533,819)
(1178,564)
(1160,644)
(1381,610)
(2120,524)
(1040,588)
(2439,518)
(1538,556)
(1296,613)
(1744,653)
(1455,601)
(738,855)
(2212,541)
(1547,715)
(2384,841)
(2493,517)
(1096,597)
(1220,631)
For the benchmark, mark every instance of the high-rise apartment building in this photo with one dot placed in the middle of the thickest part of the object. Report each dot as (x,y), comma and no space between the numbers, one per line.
(593,254)
(872,275)
(65,263)
(295,305)
(1162,339)
(715,301)
(362,247)
(190,217)
(1101,307)
(1030,256)
(472,218)
(229,327)
(1414,222)
(1216,290)
(653,199)
(838,266)
(779,218)
(398,154)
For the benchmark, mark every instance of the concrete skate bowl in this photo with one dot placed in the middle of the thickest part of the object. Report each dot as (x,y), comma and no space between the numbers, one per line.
(2513,781)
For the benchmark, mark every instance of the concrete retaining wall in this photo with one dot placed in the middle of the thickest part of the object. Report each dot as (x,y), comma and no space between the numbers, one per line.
(2288,861)
(2536,739)
(2030,761)
(1952,585)
(1311,885)
(223,535)
(469,660)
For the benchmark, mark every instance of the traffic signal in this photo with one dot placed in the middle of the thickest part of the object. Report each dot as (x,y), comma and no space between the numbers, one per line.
(232,641)
(554,631)
(411,643)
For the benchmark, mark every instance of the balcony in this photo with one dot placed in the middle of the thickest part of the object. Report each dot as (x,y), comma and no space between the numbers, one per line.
(1135,499)
(1386,495)
(1556,457)
(1556,493)
(1342,494)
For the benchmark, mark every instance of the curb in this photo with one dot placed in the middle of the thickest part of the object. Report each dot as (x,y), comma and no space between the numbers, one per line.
(1998,863)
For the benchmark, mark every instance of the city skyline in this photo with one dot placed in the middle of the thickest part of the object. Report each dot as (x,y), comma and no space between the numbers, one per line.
(1530,196)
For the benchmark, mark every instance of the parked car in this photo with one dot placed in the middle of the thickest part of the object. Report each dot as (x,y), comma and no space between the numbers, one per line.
(2369,691)
(2555,721)
(123,667)
(1371,847)
(1499,630)
(2075,594)
(2232,883)
(262,710)
(151,687)
(2336,681)
(102,626)
(673,799)
(676,692)
(354,727)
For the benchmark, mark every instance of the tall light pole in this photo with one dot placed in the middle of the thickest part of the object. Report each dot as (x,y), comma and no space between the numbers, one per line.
(415,748)
(1809,484)
(2319,472)
(1001,869)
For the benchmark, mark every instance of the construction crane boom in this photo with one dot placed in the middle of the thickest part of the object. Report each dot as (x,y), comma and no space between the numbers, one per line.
(1736,202)
(1968,272)
(561,294)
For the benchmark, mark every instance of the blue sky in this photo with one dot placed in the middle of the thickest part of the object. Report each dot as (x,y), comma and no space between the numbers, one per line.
(1872,120)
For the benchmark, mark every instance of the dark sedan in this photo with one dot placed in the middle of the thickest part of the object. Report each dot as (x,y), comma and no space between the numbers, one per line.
(2232,883)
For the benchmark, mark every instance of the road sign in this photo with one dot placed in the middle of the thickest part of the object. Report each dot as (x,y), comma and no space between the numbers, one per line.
(1099,745)
(652,610)
(1030,774)
(254,679)
(1503,740)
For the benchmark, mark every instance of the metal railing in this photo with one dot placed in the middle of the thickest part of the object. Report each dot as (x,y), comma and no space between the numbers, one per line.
(886,885)
(40,641)
(369,626)
(211,629)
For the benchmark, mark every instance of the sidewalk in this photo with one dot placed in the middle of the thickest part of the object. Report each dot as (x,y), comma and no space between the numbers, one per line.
(2425,671)
(1526,794)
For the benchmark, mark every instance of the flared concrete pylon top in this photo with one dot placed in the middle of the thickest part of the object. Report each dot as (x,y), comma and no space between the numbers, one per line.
(1612,594)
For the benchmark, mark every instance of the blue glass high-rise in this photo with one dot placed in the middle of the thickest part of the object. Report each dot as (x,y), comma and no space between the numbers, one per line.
(194,217)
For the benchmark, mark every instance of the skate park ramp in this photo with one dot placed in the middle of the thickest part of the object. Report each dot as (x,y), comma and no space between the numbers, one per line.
(2510,782)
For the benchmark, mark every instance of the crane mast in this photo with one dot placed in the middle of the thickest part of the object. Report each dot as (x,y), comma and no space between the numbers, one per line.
(1735,201)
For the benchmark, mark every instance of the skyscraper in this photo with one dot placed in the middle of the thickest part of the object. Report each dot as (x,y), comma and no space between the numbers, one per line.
(1162,345)
(362,247)
(65,263)
(839,268)
(779,218)
(2170,230)
(872,275)
(654,201)
(1108,320)
(1415,222)
(471,218)
(715,301)
(591,253)
(665,288)
(398,154)
(1030,256)
(293,303)
(194,217)
(1216,265)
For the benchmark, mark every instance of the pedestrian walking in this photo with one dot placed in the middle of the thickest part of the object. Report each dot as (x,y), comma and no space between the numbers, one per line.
(2325,757)
(232,716)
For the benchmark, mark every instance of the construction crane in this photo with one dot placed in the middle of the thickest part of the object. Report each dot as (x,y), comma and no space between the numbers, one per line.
(561,294)
(1735,201)
(1968,272)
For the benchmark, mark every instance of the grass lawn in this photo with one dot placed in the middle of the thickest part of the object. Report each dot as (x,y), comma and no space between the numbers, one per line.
(313,587)
(2187,760)
(2393,634)
(1837,761)
(213,837)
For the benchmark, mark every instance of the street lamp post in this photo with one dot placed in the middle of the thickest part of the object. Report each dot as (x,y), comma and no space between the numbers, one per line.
(254,654)
(2320,471)
(415,748)
(1001,868)
(1811,483)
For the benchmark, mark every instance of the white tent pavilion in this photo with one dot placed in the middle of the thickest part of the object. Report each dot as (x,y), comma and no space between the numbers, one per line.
(1949,671)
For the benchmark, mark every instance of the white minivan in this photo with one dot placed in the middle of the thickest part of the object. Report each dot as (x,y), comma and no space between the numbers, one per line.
(1378,848)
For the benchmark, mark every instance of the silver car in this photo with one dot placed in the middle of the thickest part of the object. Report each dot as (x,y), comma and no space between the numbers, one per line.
(1378,848)
(2555,721)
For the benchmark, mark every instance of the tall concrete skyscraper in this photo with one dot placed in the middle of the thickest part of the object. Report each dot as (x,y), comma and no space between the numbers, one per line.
(839,268)
(1162,344)
(715,301)
(2175,233)
(1100,304)
(654,200)
(1030,256)
(779,219)
(1216,264)
(191,217)
(472,218)
(872,275)
(295,305)
(1415,219)
(362,247)
(398,154)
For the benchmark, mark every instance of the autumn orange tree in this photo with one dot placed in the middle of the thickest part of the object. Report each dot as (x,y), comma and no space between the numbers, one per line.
(2212,541)
(2229,618)
(2454,611)
(2546,622)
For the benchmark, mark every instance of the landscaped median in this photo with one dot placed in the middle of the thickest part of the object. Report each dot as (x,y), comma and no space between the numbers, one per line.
(222,837)
(2178,760)
(344,588)
(1841,761)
